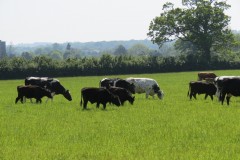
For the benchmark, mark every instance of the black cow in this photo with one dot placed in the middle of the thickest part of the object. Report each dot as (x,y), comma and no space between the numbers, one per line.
(50,83)
(122,93)
(32,91)
(99,96)
(229,87)
(200,87)
(117,82)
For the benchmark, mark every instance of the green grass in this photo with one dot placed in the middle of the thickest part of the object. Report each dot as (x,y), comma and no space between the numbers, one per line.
(174,128)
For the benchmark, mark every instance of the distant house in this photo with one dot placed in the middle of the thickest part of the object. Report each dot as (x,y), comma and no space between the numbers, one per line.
(2,49)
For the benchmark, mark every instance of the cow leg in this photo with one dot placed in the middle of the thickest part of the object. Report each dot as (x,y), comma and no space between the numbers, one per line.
(17,99)
(104,106)
(222,97)
(194,95)
(206,95)
(211,97)
(85,104)
(97,106)
(21,99)
(228,99)
(191,96)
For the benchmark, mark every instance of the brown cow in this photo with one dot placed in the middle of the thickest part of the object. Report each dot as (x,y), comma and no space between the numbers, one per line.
(206,75)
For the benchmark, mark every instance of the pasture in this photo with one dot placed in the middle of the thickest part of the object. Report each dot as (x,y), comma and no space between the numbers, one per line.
(172,128)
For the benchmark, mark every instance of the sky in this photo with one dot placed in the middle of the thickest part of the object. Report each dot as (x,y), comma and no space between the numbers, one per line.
(28,21)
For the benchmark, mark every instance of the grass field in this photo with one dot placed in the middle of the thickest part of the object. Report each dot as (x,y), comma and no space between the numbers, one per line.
(172,128)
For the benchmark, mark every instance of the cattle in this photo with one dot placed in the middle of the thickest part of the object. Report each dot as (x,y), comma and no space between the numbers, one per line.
(99,96)
(229,87)
(218,82)
(206,75)
(32,91)
(50,83)
(200,87)
(146,85)
(123,94)
(117,82)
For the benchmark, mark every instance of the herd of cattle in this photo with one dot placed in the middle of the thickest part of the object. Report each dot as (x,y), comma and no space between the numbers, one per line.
(117,91)
(209,84)
(111,90)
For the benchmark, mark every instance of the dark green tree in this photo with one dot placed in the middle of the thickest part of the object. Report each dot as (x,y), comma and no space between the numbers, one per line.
(202,23)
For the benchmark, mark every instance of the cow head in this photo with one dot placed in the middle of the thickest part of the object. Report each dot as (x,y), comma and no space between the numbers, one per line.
(115,100)
(132,88)
(131,99)
(67,95)
(160,94)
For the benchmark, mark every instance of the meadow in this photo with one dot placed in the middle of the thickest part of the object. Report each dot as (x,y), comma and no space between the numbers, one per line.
(172,128)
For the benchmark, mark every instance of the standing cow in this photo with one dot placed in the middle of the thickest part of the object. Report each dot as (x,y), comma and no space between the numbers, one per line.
(99,96)
(146,85)
(32,91)
(50,83)
(117,82)
(218,82)
(227,86)
(206,76)
(123,94)
(199,87)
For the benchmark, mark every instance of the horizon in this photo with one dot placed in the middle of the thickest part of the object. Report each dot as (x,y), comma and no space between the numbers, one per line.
(54,21)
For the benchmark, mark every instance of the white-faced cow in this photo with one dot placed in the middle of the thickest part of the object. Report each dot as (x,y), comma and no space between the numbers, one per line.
(99,96)
(123,94)
(206,75)
(200,87)
(32,91)
(146,85)
(49,83)
(117,82)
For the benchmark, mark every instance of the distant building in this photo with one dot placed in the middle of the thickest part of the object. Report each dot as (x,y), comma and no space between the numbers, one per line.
(2,49)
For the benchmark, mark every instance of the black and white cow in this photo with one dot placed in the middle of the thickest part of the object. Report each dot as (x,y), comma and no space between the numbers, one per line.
(32,91)
(117,82)
(50,83)
(200,87)
(146,85)
(227,86)
(218,83)
(123,94)
(99,96)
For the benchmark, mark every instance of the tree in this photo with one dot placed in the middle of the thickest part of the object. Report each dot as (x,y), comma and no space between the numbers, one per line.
(27,55)
(120,50)
(202,23)
(139,49)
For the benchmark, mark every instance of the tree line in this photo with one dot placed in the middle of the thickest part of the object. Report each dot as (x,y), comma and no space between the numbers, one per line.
(19,67)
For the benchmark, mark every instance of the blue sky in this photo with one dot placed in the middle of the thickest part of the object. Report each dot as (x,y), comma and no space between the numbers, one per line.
(27,21)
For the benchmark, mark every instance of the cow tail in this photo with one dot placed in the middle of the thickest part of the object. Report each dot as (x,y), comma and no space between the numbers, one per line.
(188,90)
(81,100)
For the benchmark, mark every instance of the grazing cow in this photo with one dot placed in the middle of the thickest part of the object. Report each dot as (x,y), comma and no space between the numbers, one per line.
(206,75)
(50,83)
(32,91)
(122,93)
(117,82)
(146,85)
(199,87)
(99,96)
(230,87)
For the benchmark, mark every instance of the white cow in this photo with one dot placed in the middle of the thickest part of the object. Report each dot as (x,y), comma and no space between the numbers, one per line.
(146,85)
